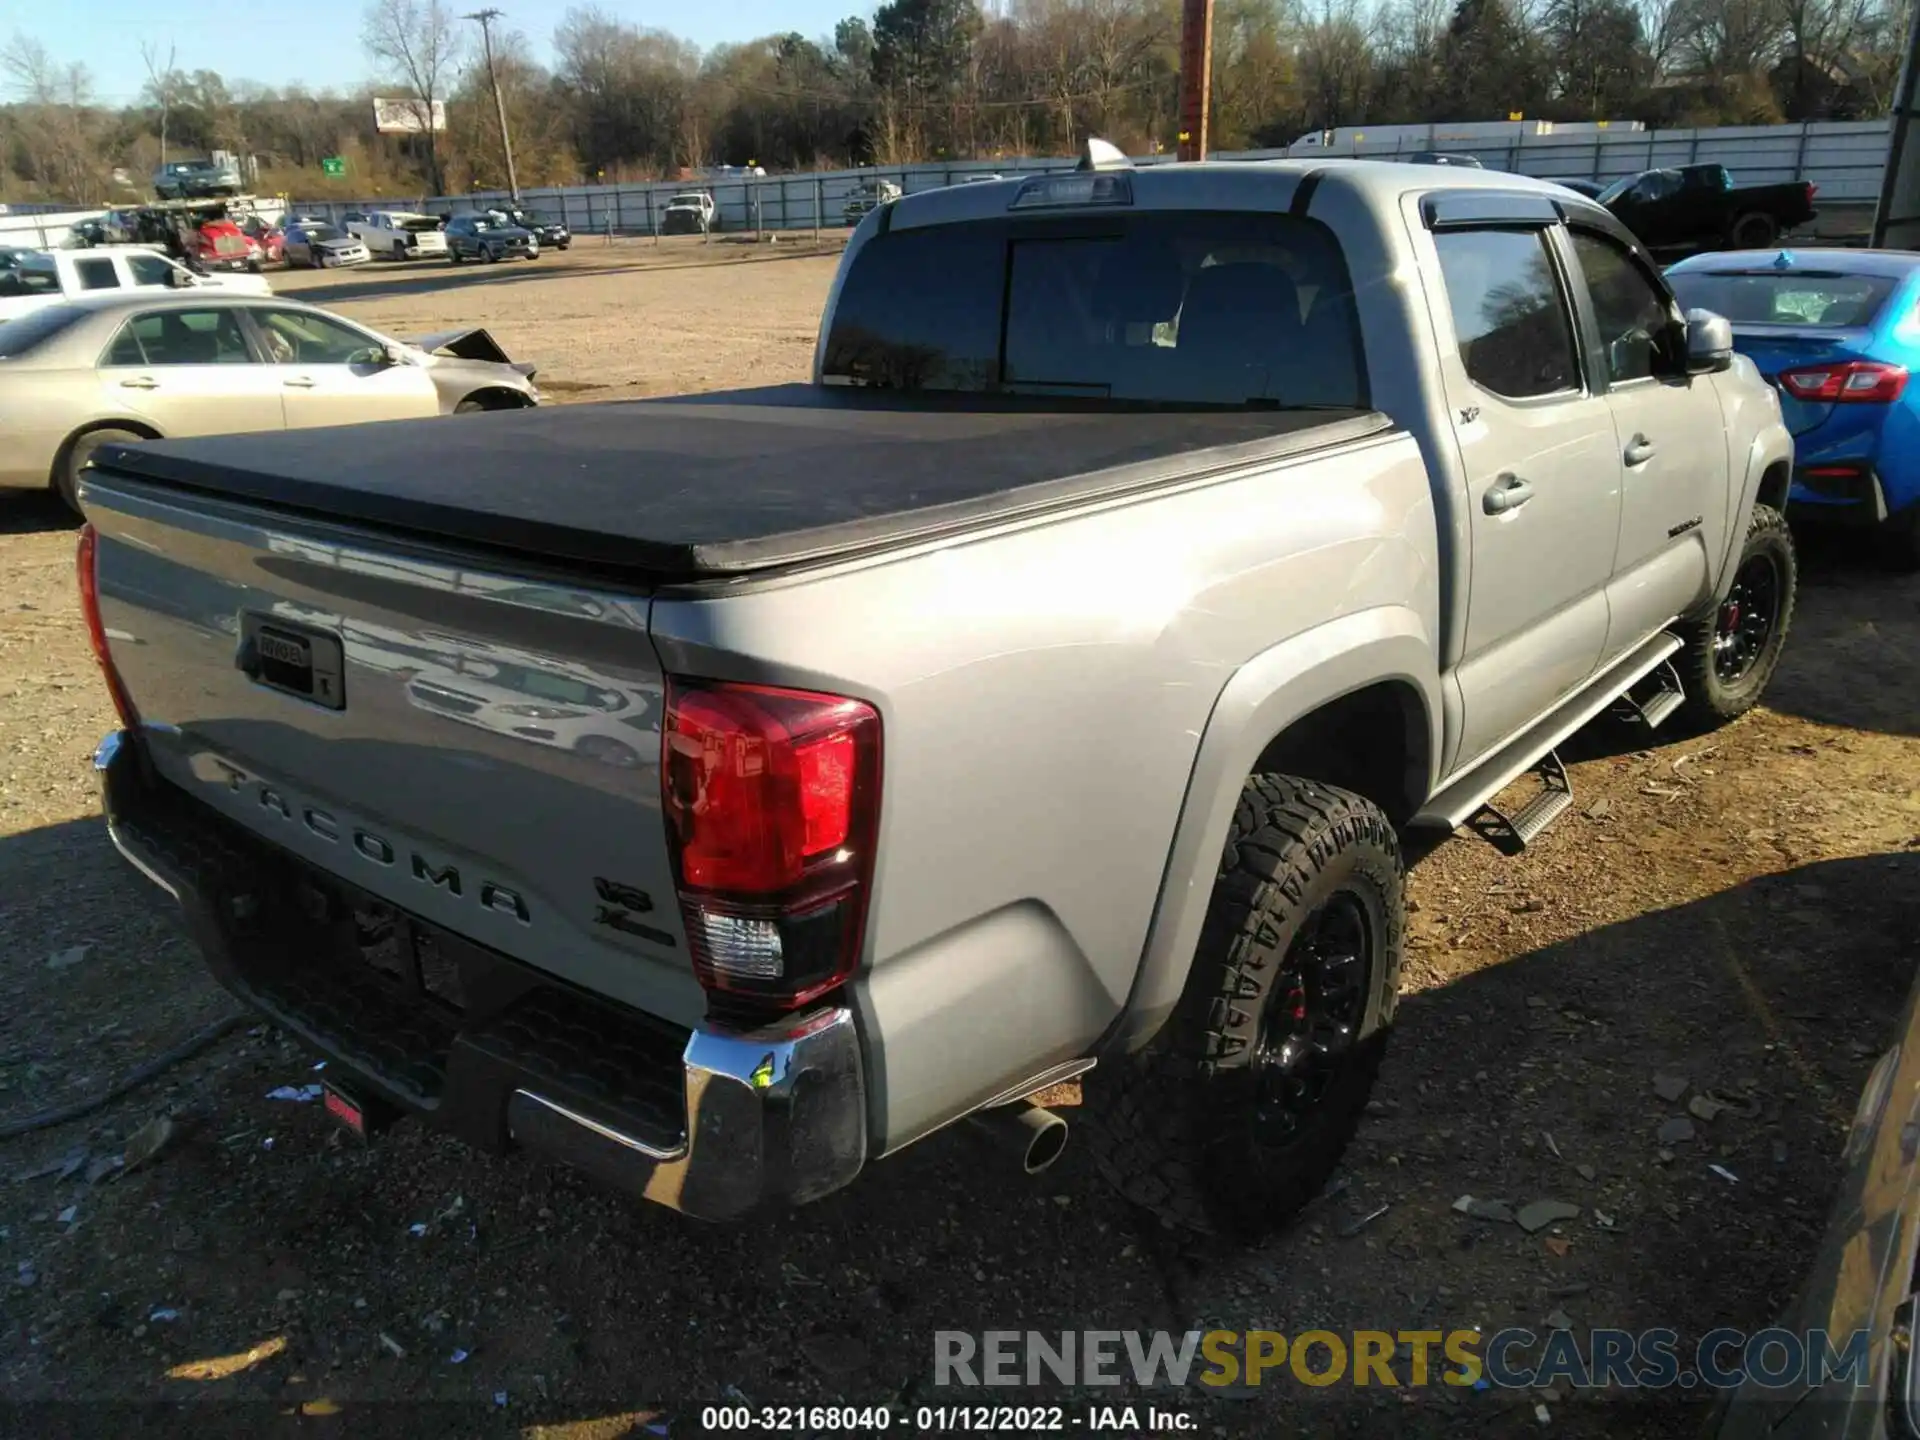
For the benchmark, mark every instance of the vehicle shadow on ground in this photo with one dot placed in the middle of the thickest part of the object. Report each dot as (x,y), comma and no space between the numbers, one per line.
(1854,648)
(410,281)
(32,512)
(575,1303)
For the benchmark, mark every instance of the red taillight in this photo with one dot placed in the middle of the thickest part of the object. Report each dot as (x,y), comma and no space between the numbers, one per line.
(86,564)
(772,799)
(1812,190)
(1850,381)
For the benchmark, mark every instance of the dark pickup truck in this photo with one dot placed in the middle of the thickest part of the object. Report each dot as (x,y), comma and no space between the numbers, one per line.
(1698,207)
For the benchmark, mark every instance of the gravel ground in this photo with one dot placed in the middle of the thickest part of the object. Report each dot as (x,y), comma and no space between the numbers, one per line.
(1737,910)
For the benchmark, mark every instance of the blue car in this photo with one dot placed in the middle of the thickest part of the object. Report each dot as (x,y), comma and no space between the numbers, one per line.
(1836,333)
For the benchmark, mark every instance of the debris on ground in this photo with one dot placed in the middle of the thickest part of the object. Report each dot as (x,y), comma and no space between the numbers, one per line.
(148,1141)
(1542,1213)
(102,1166)
(393,1346)
(1670,1087)
(1497,1211)
(1348,1229)
(1558,1319)
(1725,1174)
(66,959)
(1705,1107)
(299,1094)
(1676,1131)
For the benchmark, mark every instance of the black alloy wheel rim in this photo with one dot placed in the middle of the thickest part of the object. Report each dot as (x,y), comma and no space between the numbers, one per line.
(1313,1016)
(1747,618)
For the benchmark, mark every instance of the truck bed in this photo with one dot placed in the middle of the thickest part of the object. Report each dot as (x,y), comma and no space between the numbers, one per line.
(706,487)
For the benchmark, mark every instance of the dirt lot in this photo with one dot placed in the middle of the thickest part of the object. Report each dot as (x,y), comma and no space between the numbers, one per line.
(1738,910)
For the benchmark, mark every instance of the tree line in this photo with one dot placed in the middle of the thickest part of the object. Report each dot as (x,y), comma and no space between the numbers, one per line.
(933,79)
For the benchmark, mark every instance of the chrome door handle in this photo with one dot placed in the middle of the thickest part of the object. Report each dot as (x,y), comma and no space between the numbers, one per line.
(141,383)
(299,382)
(1639,450)
(1509,492)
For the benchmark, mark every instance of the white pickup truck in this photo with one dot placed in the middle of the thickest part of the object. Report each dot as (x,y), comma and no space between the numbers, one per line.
(1048,686)
(30,279)
(399,235)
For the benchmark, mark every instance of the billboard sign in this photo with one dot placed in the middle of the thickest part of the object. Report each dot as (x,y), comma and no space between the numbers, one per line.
(407,117)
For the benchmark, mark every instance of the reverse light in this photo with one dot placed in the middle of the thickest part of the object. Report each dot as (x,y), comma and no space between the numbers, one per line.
(1847,382)
(87,570)
(772,801)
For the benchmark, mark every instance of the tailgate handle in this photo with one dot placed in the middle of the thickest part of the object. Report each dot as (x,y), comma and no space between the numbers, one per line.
(140,382)
(1639,450)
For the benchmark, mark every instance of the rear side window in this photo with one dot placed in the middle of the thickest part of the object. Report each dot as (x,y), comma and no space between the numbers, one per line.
(96,274)
(1817,299)
(1509,316)
(1180,308)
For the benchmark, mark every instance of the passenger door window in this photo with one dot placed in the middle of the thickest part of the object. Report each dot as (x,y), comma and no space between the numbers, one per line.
(1510,319)
(1638,331)
(180,337)
(96,273)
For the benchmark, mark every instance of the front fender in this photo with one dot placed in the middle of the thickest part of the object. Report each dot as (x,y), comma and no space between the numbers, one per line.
(1264,697)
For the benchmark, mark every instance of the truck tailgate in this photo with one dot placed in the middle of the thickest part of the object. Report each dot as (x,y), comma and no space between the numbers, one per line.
(476,748)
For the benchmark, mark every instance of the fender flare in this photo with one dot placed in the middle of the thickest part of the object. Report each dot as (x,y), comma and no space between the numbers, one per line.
(1265,696)
(1771,446)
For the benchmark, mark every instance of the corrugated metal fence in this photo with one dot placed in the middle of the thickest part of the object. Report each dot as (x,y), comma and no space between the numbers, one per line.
(1843,158)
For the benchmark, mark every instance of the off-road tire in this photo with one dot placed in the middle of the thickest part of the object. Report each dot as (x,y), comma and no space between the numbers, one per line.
(1712,701)
(1172,1127)
(75,454)
(489,255)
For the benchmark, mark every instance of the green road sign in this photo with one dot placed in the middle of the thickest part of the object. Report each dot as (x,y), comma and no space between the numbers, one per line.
(333,165)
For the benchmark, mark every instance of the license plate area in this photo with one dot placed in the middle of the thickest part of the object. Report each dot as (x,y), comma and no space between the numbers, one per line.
(293,659)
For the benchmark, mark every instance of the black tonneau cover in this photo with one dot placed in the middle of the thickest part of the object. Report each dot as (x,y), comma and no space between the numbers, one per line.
(704,487)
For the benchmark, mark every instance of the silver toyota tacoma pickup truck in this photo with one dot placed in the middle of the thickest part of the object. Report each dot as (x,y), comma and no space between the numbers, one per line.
(724,792)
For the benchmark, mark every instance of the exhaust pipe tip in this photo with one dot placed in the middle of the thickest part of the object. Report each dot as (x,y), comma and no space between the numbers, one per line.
(1037,1136)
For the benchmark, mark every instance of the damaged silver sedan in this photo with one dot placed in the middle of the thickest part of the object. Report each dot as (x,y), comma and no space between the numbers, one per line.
(127,367)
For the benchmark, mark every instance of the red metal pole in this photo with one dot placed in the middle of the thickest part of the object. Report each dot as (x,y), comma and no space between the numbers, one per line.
(1196,70)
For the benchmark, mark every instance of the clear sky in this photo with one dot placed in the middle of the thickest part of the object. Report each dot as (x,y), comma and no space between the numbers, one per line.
(277,42)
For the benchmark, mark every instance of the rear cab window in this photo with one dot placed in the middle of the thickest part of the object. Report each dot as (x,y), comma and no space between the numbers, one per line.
(1175,307)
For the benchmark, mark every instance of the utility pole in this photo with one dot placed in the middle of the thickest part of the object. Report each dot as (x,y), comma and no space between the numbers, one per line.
(486,19)
(1196,76)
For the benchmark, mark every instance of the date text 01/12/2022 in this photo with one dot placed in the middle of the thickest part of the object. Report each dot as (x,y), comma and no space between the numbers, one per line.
(928,1419)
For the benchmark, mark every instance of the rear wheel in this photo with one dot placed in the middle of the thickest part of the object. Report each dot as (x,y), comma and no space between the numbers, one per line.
(1726,658)
(79,450)
(1754,231)
(1237,1112)
(471,406)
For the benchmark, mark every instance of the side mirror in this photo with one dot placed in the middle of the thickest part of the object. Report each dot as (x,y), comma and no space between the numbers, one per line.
(1709,343)
(180,280)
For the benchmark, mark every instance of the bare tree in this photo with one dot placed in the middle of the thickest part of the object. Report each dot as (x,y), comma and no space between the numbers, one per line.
(418,43)
(163,84)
